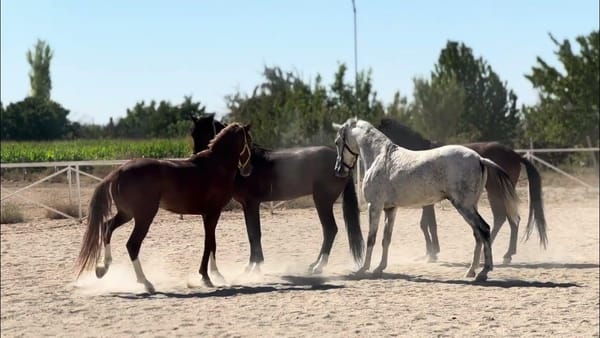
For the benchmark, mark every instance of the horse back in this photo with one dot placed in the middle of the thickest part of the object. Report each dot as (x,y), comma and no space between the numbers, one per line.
(289,173)
(505,157)
(180,186)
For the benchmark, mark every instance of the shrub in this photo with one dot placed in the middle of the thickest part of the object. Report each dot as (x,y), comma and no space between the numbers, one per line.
(11,213)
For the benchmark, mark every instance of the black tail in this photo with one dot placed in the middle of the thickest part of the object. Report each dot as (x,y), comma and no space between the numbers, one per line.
(536,208)
(98,212)
(352,220)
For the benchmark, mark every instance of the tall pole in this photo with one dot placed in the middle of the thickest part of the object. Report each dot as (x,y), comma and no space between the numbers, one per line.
(355,50)
(358,173)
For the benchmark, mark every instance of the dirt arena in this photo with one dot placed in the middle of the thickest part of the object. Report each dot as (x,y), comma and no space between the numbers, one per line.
(542,293)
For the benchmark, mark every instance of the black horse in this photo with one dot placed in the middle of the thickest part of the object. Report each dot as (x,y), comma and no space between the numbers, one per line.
(506,158)
(280,175)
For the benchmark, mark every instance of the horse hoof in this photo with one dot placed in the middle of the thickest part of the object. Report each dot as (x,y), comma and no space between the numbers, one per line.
(208,283)
(470,274)
(378,272)
(481,277)
(149,287)
(317,270)
(101,271)
(431,258)
(507,260)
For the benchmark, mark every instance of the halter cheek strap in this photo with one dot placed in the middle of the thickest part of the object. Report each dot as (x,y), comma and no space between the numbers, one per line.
(346,147)
(244,149)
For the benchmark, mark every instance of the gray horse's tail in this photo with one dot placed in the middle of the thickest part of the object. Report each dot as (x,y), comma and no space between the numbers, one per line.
(352,220)
(98,212)
(507,189)
(536,208)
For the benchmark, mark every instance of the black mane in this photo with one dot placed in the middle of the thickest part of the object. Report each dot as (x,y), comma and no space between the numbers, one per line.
(403,135)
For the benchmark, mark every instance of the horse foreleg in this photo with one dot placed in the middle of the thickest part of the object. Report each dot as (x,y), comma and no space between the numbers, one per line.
(374,216)
(390,217)
(330,229)
(210,247)
(252,218)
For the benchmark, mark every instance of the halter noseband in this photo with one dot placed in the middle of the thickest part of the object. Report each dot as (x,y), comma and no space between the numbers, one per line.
(346,147)
(244,149)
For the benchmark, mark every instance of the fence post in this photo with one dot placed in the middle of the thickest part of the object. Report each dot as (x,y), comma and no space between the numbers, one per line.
(78,181)
(589,142)
(69,182)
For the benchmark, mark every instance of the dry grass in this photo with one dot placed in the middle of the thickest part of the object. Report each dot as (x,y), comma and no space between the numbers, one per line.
(11,213)
(64,207)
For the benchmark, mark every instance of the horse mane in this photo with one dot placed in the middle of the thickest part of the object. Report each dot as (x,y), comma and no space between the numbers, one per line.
(256,148)
(403,135)
(215,143)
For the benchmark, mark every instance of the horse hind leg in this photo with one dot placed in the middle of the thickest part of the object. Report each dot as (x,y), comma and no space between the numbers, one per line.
(325,211)
(140,230)
(500,216)
(429,228)
(481,232)
(390,217)
(111,225)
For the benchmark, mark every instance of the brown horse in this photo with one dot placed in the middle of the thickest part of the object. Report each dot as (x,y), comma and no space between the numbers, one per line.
(200,185)
(507,159)
(281,175)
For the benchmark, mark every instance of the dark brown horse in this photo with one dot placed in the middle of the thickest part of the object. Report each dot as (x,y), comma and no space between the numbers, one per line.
(286,174)
(506,158)
(200,185)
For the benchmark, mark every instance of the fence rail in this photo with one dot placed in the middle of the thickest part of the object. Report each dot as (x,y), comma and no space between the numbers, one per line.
(73,167)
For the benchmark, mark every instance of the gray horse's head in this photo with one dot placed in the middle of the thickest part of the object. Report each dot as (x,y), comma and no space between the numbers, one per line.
(347,148)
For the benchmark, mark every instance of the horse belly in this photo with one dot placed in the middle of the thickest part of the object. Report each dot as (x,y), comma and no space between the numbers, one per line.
(408,190)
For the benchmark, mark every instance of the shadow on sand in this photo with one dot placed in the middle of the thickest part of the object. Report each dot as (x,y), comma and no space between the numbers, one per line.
(320,283)
(230,291)
(532,265)
(502,283)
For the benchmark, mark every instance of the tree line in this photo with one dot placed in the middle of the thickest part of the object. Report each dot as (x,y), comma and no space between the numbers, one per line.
(462,100)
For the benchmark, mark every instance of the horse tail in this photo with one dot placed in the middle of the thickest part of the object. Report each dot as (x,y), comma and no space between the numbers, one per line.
(352,220)
(98,212)
(536,208)
(507,189)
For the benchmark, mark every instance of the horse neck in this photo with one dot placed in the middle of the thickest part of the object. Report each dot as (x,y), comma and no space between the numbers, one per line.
(371,142)
(224,153)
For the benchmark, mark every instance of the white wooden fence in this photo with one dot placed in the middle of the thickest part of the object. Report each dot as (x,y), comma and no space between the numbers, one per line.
(71,168)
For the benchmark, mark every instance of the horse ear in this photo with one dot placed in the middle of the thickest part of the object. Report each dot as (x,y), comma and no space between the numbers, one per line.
(193,117)
(355,119)
(211,116)
(336,126)
(248,126)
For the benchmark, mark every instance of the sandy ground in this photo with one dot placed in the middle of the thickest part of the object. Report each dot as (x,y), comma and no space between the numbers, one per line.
(542,293)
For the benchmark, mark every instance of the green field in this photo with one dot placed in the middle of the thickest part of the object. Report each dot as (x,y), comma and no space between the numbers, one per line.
(84,150)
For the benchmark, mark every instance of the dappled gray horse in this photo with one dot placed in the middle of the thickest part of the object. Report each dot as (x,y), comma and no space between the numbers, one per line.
(398,177)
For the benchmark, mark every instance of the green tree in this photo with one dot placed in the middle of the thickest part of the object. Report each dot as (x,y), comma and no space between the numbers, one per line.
(400,110)
(568,95)
(39,75)
(157,120)
(34,118)
(490,109)
(436,109)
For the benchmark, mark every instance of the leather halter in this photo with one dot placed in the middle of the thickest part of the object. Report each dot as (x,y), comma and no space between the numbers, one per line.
(346,147)
(244,149)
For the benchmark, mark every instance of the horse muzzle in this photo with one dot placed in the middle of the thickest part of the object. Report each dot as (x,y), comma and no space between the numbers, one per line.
(340,170)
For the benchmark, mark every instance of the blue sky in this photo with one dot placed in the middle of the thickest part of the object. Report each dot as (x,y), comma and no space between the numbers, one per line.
(111,54)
